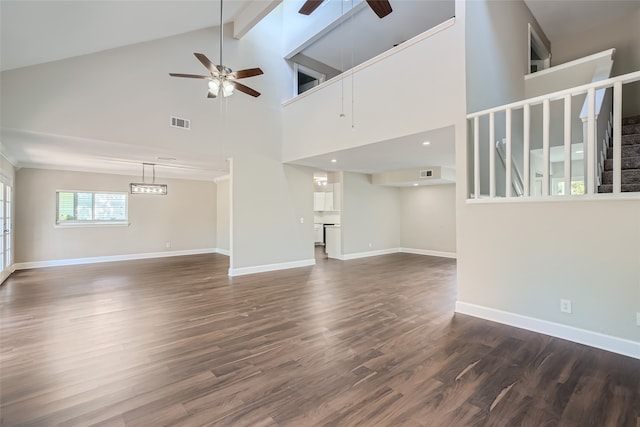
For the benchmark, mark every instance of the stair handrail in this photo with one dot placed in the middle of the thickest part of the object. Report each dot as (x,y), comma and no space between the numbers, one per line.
(516,181)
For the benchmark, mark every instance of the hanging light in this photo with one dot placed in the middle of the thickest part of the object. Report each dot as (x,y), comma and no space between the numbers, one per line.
(146,188)
(227,88)
(214,86)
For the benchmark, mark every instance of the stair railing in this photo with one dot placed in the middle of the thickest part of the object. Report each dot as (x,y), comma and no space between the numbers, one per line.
(517,183)
(616,83)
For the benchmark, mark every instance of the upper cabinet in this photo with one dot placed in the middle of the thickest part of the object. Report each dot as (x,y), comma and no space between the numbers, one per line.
(327,200)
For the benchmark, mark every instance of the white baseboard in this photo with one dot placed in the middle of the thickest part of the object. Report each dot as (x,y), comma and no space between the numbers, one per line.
(270,267)
(111,258)
(357,255)
(223,252)
(570,333)
(428,252)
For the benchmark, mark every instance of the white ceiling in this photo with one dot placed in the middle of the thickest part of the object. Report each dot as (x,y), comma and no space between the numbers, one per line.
(34,32)
(394,154)
(364,35)
(561,18)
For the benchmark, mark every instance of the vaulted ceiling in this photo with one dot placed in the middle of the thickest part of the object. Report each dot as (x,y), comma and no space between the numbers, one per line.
(39,32)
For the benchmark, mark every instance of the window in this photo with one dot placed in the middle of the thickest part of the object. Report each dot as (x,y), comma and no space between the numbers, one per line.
(75,207)
(305,78)
(539,55)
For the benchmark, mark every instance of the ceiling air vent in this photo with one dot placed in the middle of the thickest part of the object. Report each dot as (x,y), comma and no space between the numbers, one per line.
(177,122)
(426,174)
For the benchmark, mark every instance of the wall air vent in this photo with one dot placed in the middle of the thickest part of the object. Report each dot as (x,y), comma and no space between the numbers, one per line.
(426,174)
(177,122)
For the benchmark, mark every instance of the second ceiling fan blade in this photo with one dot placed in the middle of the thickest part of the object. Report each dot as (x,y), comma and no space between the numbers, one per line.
(381,7)
(249,72)
(191,76)
(207,63)
(245,89)
(309,6)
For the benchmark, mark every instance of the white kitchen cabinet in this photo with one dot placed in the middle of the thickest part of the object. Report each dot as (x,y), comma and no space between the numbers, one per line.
(318,230)
(328,201)
(318,201)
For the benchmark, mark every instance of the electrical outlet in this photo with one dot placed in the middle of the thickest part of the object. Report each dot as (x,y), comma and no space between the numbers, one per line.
(565,305)
(370,245)
(638,318)
(167,245)
(301,220)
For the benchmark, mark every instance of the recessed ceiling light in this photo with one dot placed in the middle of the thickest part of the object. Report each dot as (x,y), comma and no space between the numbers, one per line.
(334,160)
(415,184)
(426,143)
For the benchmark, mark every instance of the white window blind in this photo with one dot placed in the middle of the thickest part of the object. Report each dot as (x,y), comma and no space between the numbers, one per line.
(75,207)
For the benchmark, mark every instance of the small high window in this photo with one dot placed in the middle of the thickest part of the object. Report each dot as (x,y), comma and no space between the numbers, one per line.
(539,55)
(305,78)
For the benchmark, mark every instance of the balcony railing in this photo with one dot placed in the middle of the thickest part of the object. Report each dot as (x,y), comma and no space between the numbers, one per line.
(600,129)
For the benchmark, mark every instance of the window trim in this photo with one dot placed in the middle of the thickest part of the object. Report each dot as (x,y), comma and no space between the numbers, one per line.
(92,222)
(321,77)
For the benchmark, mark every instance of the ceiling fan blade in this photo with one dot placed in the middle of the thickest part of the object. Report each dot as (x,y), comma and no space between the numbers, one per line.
(249,72)
(207,63)
(191,76)
(245,89)
(211,95)
(381,7)
(309,6)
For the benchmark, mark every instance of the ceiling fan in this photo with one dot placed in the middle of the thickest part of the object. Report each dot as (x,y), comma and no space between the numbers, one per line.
(223,79)
(381,7)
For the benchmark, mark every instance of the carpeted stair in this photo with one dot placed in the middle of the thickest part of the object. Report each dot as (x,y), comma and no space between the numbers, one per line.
(630,159)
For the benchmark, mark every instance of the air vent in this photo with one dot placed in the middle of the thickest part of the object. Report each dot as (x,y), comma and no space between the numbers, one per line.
(426,174)
(177,122)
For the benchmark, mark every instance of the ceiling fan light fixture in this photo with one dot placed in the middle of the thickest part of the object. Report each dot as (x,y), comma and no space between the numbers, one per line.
(214,86)
(227,88)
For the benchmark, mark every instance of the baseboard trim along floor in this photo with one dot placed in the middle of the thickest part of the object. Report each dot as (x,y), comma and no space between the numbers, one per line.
(111,258)
(580,336)
(241,271)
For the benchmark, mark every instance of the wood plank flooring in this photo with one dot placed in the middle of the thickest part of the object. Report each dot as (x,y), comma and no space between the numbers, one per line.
(369,342)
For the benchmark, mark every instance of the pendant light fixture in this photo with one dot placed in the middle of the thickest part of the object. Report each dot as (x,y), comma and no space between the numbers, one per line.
(148,188)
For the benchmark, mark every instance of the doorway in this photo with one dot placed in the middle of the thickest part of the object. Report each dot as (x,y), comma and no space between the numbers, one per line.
(6,250)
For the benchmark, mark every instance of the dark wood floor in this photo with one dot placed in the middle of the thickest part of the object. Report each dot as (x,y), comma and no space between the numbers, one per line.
(370,342)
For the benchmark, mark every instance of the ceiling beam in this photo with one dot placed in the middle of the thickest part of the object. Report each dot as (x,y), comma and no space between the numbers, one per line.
(251,15)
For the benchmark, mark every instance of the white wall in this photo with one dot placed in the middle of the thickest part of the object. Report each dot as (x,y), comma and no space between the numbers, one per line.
(223,214)
(370,215)
(428,218)
(622,34)
(185,217)
(426,95)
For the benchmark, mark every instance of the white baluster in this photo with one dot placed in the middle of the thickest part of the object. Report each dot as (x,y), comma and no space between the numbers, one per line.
(492,155)
(567,145)
(508,179)
(617,137)
(591,141)
(476,157)
(526,143)
(545,147)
